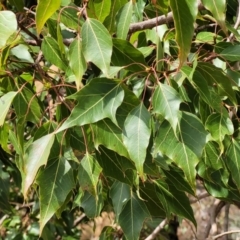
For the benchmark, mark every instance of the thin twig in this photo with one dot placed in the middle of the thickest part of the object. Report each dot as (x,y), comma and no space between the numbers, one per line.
(236,23)
(199,197)
(155,232)
(226,233)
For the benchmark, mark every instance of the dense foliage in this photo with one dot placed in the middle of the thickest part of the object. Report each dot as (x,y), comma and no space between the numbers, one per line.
(115,106)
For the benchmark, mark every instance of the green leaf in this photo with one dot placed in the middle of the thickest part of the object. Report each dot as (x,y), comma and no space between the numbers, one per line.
(52,53)
(97,100)
(217,8)
(184,15)
(174,201)
(102,8)
(216,76)
(124,19)
(116,166)
(5,103)
(36,156)
(192,133)
(88,174)
(120,193)
(167,144)
(111,18)
(8,26)
(232,161)
(55,182)
(97,44)
(77,61)
(108,134)
(132,217)
(45,9)
(125,54)
(166,101)
(21,52)
(219,125)
(231,53)
(136,135)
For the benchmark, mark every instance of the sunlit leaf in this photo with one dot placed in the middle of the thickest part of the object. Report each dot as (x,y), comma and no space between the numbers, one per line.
(136,135)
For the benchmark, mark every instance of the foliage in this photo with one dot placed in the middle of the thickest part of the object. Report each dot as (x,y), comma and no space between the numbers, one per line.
(105,107)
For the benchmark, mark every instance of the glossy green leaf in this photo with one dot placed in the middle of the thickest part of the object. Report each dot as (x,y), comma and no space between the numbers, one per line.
(5,103)
(167,144)
(136,135)
(184,14)
(175,201)
(8,26)
(116,166)
(55,182)
(219,125)
(166,101)
(52,53)
(120,193)
(125,54)
(192,133)
(97,44)
(108,134)
(216,76)
(96,101)
(231,53)
(45,9)
(88,174)
(217,8)
(132,217)
(77,61)
(102,8)
(232,161)
(111,18)
(124,19)
(36,156)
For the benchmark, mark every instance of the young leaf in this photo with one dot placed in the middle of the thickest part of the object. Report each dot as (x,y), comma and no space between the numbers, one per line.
(136,135)
(132,217)
(124,19)
(8,25)
(217,8)
(96,101)
(77,61)
(97,44)
(166,101)
(45,9)
(184,14)
(36,156)
(88,174)
(55,182)
(52,53)
(5,103)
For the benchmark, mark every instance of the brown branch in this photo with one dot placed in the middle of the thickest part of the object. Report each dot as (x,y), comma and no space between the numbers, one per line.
(153,22)
(226,220)
(225,233)
(155,232)
(199,197)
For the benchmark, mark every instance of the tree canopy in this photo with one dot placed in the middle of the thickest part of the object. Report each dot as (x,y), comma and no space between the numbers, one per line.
(116,106)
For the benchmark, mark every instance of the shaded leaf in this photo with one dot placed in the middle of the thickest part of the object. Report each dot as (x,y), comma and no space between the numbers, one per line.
(45,9)
(21,52)
(132,217)
(97,44)
(55,182)
(5,103)
(231,53)
(108,134)
(36,156)
(97,100)
(88,174)
(136,135)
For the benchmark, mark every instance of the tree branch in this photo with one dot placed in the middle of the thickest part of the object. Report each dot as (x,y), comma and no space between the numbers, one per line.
(151,23)
(225,233)
(157,230)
